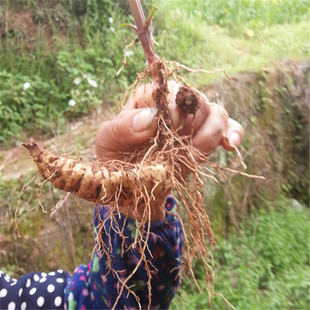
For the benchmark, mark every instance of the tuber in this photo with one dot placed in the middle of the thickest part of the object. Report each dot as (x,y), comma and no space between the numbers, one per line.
(97,182)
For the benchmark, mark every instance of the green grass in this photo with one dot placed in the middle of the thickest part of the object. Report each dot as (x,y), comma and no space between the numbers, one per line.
(239,13)
(235,46)
(264,266)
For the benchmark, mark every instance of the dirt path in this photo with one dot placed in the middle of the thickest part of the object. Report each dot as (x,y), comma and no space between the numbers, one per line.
(16,162)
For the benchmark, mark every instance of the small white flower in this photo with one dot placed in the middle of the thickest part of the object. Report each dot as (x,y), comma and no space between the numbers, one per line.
(26,85)
(112,29)
(71,102)
(110,20)
(92,83)
(129,53)
(77,81)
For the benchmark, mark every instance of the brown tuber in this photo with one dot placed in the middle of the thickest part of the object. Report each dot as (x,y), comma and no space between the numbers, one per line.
(97,182)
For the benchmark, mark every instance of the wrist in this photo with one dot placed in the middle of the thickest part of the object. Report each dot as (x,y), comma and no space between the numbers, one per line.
(139,213)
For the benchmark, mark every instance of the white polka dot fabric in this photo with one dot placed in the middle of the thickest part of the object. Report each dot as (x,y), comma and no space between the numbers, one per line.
(34,290)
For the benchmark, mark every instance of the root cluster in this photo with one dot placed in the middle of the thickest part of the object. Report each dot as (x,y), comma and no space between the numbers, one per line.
(185,176)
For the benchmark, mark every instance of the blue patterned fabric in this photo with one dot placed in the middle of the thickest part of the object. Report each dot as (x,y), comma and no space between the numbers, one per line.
(95,286)
(34,290)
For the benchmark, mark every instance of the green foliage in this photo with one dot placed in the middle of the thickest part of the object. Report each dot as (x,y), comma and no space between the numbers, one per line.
(264,266)
(194,33)
(84,90)
(242,13)
(71,67)
(25,103)
(69,40)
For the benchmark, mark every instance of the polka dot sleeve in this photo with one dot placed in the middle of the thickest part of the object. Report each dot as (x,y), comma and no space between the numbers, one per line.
(35,290)
(95,287)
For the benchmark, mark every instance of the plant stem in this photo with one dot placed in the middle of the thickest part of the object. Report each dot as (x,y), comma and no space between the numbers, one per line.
(160,92)
(143,31)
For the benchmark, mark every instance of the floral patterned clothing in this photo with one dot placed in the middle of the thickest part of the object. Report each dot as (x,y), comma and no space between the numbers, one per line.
(95,286)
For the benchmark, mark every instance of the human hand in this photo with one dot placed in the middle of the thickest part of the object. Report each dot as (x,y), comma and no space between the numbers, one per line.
(136,124)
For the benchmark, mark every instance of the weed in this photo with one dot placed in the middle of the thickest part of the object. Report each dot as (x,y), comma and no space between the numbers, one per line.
(264,266)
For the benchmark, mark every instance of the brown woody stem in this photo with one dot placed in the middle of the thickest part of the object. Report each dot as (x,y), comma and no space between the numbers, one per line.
(143,31)
(156,68)
(144,36)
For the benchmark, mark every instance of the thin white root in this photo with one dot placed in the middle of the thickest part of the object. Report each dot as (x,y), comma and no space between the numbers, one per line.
(124,56)
(59,204)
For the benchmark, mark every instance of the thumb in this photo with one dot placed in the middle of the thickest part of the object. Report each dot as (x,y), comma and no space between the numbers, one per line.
(130,128)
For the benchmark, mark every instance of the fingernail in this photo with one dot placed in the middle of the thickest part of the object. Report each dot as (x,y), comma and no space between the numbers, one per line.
(143,120)
(234,139)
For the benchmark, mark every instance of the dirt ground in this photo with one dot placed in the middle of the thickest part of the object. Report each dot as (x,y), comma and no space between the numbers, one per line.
(15,162)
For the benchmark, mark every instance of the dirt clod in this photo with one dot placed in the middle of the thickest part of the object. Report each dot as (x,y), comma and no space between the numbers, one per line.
(187,100)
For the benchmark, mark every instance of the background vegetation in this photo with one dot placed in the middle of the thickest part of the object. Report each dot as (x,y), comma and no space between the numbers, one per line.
(264,266)
(71,50)
(58,64)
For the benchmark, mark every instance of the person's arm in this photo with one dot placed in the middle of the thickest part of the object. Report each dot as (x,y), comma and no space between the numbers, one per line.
(100,283)
(88,286)
(117,261)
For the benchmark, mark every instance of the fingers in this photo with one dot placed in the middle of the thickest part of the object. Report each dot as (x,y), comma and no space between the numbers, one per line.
(233,135)
(210,133)
(136,124)
(217,129)
(142,98)
(127,130)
